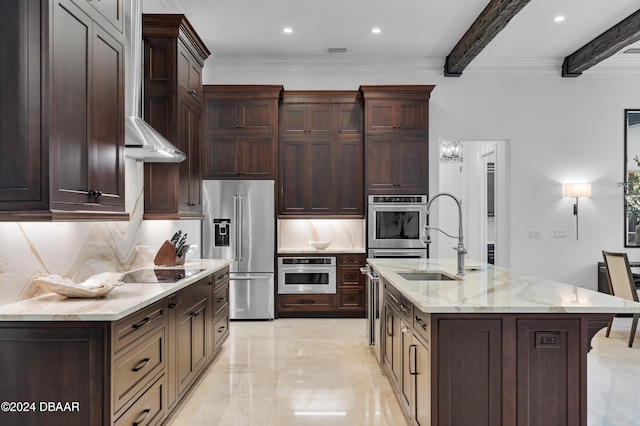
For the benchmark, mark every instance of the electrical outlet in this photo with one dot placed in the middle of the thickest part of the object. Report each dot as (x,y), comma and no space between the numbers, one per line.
(560,233)
(535,234)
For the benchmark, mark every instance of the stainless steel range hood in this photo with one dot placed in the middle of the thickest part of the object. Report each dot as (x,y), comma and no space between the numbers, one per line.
(142,142)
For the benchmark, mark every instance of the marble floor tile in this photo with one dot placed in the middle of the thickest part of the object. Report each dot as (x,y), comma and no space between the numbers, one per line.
(320,372)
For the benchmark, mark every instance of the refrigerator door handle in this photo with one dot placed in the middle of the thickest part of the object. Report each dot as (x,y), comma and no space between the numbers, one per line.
(235,217)
(240,226)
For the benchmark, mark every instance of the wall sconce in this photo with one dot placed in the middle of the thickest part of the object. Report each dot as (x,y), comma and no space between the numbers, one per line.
(576,190)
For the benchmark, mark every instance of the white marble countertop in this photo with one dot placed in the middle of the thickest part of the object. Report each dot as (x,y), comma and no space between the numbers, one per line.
(120,302)
(488,289)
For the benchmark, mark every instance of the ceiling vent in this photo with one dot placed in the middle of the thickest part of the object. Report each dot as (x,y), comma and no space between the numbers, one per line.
(336,50)
(632,50)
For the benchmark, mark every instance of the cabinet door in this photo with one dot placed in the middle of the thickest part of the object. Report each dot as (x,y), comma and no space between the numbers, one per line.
(412,116)
(22,174)
(192,344)
(320,121)
(220,153)
(86,116)
(468,352)
(107,125)
(70,108)
(293,199)
(349,120)
(293,119)
(380,117)
(349,193)
(380,177)
(257,158)
(188,141)
(420,368)
(397,165)
(259,116)
(189,76)
(411,165)
(319,167)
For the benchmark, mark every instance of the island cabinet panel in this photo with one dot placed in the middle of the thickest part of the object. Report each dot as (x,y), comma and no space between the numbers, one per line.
(321,159)
(173,59)
(42,362)
(62,127)
(240,131)
(548,372)
(396,128)
(469,352)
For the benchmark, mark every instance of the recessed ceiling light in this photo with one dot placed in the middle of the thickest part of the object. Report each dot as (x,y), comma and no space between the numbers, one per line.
(288,30)
(376,30)
(558,18)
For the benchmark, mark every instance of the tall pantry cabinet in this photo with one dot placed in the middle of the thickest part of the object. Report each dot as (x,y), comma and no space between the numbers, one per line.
(62,110)
(174,56)
(396,127)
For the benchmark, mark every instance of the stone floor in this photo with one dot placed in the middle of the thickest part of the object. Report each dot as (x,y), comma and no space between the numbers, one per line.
(292,372)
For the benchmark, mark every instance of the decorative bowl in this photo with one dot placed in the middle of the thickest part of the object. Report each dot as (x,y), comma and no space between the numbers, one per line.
(96,286)
(320,245)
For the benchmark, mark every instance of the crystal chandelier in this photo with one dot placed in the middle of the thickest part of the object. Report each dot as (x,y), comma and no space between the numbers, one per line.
(450,151)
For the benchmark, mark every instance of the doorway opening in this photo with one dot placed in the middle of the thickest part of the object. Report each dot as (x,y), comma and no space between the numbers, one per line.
(479,179)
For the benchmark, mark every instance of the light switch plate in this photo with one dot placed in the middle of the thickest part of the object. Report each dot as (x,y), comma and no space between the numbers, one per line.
(560,233)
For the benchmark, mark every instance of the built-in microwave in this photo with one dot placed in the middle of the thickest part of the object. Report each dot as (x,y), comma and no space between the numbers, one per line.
(396,221)
(306,275)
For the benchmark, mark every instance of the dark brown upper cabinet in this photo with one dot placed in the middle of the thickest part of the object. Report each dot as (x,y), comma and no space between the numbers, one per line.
(396,139)
(62,109)
(241,131)
(321,154)
(174,56)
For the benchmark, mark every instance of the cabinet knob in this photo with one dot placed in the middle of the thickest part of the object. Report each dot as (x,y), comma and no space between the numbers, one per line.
(94,194)
(192,91)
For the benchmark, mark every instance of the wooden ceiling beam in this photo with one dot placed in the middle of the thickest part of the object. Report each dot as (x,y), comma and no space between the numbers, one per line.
(600,48)
(487,25)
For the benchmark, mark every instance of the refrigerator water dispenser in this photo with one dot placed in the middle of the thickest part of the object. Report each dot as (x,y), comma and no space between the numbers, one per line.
(221,232)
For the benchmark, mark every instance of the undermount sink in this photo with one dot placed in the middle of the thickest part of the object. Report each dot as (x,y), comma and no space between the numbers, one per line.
(427,276)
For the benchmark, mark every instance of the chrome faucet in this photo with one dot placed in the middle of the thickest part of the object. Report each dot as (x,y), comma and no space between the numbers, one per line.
(460,249)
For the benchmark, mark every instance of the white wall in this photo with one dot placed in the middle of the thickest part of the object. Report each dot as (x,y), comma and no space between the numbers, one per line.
(559,130)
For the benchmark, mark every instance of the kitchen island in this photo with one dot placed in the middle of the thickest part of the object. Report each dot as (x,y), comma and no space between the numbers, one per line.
(127,358)
(492,348)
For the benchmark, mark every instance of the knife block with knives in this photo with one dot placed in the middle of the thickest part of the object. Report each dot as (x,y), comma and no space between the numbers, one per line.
(172,252)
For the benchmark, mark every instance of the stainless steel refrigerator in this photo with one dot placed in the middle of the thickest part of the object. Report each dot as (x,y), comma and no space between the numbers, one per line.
(240,225)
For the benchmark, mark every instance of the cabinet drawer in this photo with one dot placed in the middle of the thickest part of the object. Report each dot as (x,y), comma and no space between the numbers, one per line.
(306,302)
(405,308)
(134,369)
(422,324)
(149,409)
(128,329)
(221,329)
(391,294)
(351,260)
(349,277)
(220,298)
(190,296)
(352,298)
(221,277)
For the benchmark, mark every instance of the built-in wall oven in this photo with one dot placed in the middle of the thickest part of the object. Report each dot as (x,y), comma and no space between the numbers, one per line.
(306,275)
(396,222)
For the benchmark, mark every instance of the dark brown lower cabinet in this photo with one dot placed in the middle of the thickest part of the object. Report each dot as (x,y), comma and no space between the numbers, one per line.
(487,369)
(134,370)
(42,364)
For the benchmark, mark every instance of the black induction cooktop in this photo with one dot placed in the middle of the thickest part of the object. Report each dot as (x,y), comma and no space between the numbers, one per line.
(159,275)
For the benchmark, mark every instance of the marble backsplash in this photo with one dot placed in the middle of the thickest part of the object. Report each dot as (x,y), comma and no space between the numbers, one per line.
(80,249)
(346,234)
